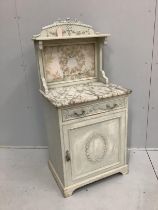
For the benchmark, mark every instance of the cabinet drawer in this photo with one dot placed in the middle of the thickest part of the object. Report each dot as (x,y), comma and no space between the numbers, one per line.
(91,109)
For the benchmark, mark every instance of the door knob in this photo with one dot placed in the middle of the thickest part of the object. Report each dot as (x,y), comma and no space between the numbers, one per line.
(67,156)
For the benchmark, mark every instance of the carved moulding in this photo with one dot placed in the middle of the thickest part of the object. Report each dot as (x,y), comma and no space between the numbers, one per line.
(67,27)
(92,109)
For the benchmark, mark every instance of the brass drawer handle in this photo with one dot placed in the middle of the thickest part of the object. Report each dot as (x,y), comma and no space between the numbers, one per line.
(111,107)
(78,114)
(68,158)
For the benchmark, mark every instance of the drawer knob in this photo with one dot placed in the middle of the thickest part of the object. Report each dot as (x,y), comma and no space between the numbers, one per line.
(111,107)
(78,114)
(67,156)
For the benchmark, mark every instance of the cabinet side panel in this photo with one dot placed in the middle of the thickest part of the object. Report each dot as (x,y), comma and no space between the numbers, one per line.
(53,137)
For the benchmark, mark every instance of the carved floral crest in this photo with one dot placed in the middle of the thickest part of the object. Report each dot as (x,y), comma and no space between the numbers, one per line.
(66,28)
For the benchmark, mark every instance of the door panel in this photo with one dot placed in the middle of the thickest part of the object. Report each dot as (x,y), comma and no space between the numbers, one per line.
(95,145)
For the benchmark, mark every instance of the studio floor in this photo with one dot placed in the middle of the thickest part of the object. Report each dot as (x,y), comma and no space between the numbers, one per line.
(27,184)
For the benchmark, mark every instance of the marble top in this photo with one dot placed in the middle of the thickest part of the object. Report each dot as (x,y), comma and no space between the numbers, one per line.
(75,94)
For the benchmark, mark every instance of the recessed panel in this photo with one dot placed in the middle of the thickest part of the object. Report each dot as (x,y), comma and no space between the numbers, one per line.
(94,147)
(69,62)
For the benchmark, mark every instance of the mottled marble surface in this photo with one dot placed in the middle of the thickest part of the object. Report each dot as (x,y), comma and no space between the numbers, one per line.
(75,94)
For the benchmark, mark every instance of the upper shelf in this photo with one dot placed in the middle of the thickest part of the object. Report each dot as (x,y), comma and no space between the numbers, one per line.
(67,29)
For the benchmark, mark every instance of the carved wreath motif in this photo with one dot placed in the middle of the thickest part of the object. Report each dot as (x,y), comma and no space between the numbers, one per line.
(95,148)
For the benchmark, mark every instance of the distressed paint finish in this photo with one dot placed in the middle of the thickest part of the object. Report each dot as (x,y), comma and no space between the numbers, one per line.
(66,29)
(97,144)
(93,108)
(91,114)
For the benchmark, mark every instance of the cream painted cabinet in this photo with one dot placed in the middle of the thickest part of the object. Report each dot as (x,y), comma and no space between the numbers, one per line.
(85,114)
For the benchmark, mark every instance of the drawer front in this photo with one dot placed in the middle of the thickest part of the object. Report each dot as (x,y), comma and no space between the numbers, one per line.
(94,146)
(94,108)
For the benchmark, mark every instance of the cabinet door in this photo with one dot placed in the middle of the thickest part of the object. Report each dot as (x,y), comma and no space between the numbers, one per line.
(94,146)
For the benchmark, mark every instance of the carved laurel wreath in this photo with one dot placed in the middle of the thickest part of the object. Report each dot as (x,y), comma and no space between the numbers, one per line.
(91,154)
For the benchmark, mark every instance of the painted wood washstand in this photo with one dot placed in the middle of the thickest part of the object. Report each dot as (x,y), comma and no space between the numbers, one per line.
(86,116)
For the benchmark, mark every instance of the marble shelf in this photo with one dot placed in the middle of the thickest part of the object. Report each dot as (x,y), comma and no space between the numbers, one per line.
(76,94)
